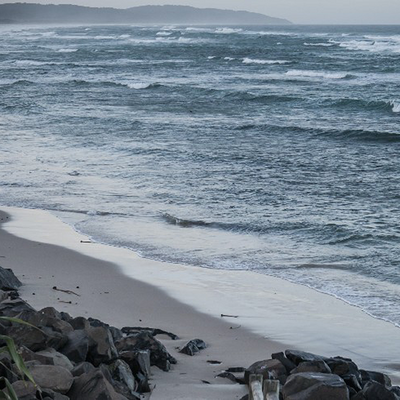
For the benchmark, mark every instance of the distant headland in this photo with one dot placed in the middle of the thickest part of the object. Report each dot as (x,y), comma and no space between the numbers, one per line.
(24,13)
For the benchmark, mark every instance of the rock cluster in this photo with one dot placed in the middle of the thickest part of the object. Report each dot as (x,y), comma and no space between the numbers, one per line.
(306,376)
(75,358)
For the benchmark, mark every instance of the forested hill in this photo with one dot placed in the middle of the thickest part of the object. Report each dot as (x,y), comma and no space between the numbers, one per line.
(23,13)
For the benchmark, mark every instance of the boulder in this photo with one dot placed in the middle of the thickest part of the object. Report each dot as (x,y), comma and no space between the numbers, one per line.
(269,369)
(289,365)
(52,377)
(3,295)
(376,391)
(193,347)
(312,386)
(301,356)
(24,390)
(51,394)
(312,366)
(36,339)
(8,281)
(139,363)
(121,373)
(77,346)
(13,307)
(82,368)
(101,345)
(93,386)
(367,376)
(56,358)
(346,369)
(159,355)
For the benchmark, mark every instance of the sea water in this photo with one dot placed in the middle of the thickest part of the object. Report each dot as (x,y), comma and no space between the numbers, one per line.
(272,149)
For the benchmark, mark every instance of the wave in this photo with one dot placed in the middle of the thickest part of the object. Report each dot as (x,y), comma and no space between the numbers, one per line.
(362,135)
(268,62)
(395,106)
(370,44)
(163,33)
(228,31)
(67,50)
(319,44)
(378,105)
(318,74)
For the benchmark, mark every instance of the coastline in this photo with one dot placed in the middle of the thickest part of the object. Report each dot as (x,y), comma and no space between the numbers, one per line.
(273,314)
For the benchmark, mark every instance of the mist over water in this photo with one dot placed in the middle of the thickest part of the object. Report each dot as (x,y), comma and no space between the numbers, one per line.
(259,148)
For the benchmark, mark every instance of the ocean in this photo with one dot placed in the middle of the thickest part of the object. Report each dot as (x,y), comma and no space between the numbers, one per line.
(271,149)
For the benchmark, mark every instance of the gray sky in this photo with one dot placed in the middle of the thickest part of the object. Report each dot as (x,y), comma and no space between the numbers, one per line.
(298,11)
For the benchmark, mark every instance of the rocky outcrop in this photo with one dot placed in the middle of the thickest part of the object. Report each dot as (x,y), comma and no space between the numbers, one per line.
(307,376)
(78,358)
(8,281)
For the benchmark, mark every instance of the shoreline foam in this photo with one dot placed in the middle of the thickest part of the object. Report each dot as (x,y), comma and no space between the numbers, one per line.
(271,308)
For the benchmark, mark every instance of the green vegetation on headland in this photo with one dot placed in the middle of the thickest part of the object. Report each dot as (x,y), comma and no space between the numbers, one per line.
(23,13)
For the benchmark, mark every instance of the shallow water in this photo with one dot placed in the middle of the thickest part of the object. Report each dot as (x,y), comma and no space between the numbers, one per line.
(263,148)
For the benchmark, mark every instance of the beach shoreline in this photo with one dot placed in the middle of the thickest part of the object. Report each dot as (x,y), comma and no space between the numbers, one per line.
(122,289)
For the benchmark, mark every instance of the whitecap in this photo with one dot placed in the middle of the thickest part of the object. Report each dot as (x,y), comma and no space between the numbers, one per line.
(319,44)
(138,85)
(270,62)
(395,106)
(163,33)
(228,31)
(229,58)
(67,50)
(317,74)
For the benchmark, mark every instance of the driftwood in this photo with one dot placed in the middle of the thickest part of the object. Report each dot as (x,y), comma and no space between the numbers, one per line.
(153,331)
(229,316)
(65,291)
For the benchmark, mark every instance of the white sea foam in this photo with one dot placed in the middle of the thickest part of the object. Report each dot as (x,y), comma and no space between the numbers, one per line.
(211,57)
(395,106)
(163,33)
(229,58)
(228,31)
(138,85)
(319,44)
(269,62)
(67,50)
(371,43)
(316,74)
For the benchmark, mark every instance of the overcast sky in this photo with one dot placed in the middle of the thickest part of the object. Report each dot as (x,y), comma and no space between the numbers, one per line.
(297,11)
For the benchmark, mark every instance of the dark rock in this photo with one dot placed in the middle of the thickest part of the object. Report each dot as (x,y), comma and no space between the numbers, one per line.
(301,356)
(3,295)
(11,308)
(346,369)
(93,386)
(116,333)
(121,373)
(193,347)
(313,386)
(36,339)
(235,369)
(269,369)
(159,355)
(139,363)
(312,366)
(101,345)
(6,367)
(8,281)
(52,377)
(79,323)
(82,368)
(289,365)
(56,358)
(375,376)
(77,346)
(24,390)
(376,391)
(231,377)
(153,331)
(395,390)
(51,394)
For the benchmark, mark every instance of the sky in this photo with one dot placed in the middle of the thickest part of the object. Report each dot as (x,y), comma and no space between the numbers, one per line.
(297,11)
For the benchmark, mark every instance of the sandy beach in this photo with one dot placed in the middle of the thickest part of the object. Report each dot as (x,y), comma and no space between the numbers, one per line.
(122,289)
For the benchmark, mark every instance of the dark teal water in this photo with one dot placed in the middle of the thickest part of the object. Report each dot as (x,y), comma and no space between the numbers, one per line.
(270,149)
